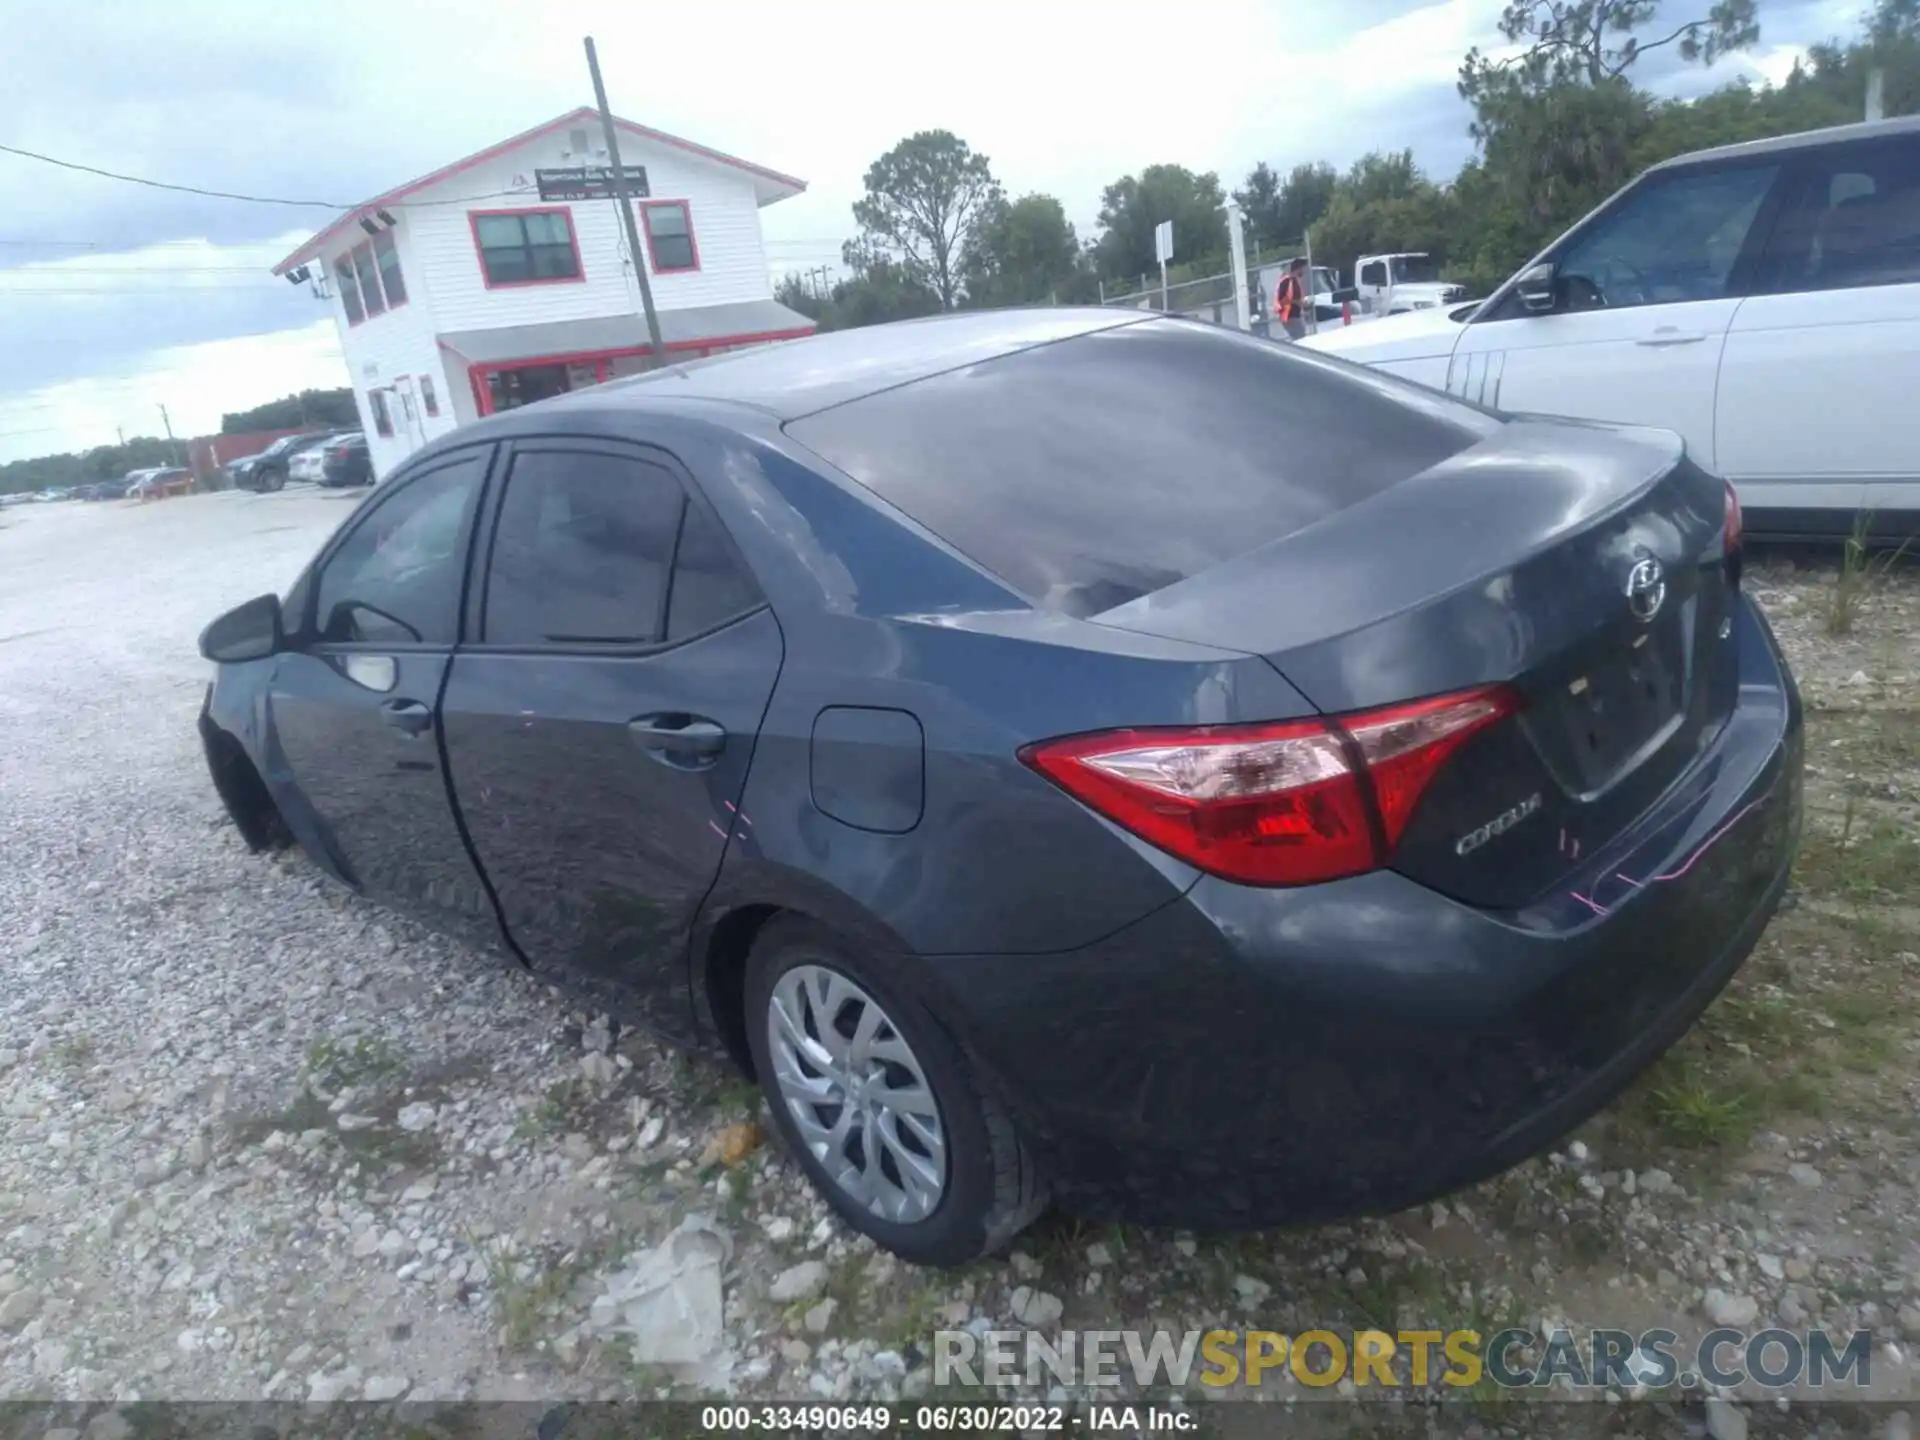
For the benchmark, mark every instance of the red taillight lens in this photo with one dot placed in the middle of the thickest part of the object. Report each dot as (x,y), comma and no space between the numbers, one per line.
(1290,803)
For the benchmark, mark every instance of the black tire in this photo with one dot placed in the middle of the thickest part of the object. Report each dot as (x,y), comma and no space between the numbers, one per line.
(272,481)
(993,1189)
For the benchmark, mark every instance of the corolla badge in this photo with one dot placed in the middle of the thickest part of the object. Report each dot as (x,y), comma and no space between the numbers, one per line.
(1646,589)
(1499,825)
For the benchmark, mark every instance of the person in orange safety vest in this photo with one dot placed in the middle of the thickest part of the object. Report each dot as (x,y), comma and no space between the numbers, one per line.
(1290,300)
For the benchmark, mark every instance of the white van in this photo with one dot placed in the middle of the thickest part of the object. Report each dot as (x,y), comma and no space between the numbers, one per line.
(1763,300)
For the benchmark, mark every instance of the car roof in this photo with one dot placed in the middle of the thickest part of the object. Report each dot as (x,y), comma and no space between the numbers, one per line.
(1805,140)
(800,377)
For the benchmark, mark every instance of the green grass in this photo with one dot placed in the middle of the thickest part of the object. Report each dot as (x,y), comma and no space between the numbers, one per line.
(1861,572)
(75,1050)
(1697,1107)
(334,1064)
(1869,859)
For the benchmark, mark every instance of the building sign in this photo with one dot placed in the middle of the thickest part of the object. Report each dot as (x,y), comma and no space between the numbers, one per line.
(590,182)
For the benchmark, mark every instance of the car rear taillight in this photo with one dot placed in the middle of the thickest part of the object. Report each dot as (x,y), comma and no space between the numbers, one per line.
(1736,534)
(1294,802)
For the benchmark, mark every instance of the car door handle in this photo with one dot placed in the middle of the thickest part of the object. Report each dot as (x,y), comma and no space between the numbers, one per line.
(1671,335)
(409,717)
(677,738)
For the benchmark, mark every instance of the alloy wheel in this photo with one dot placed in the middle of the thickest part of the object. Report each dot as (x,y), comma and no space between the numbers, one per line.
(857,1094)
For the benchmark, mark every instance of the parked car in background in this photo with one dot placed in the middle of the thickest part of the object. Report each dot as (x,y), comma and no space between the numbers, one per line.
(1085,751)
(268,471)
(116,489)
(16,497)
(160,484)
(1761,300)
(347,461)
(308,465)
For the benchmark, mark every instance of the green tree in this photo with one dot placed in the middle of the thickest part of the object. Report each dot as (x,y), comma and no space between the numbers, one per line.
(877,289)
(1024,252)
(1589,42)
(1421,220)
(1280,211)
(1383,204)
(103,462)
(1378,175)
(1304,199)
(292,412)
(1259,200)
(1133,205)
(924,196)
(794,293)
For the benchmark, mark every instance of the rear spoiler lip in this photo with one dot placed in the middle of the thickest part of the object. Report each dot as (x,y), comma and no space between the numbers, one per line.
(1459,526)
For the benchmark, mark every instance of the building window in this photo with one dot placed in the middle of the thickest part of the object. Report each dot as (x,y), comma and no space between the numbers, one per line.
(382,420)
(349,289)
(369,274)
(428,398)
(526,247)
(669,226)
(386,255)
(524,385)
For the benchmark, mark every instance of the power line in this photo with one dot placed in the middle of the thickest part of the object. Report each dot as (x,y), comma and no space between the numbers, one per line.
(143,290)
(63,268)
(167,185)
(234,195)
(95,244)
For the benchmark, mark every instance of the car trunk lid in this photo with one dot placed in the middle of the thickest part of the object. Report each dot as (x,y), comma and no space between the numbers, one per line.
(1582,566)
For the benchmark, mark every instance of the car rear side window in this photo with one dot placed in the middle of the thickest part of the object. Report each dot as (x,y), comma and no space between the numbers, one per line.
(1094,470)
(395,578)
(709,587)
(1852,221)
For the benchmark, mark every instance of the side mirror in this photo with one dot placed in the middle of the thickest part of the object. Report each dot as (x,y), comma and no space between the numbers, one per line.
(1537,290)
(251,631)
(1346,295)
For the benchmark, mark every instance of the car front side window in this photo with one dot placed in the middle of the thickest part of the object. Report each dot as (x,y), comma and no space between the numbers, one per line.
(1674,239)
(395,578)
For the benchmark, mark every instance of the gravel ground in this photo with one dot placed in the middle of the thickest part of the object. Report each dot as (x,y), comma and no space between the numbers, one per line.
(263,1140)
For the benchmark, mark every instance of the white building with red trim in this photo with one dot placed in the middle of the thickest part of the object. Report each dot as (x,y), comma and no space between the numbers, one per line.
(462,293)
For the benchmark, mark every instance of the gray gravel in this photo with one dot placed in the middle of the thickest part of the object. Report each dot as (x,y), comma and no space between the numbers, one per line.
(262,1139)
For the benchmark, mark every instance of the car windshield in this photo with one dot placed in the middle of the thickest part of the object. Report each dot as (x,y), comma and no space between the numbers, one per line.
(1415,269)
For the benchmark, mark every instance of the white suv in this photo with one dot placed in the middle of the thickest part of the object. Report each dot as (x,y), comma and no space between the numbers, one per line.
(1763,300)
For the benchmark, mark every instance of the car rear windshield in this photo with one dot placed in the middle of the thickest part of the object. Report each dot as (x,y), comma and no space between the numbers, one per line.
(1091,471)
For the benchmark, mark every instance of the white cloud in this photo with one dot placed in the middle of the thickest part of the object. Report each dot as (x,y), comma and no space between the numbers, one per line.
(1064,96)
(197,384)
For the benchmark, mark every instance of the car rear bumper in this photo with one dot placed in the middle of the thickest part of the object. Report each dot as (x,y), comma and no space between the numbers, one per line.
(1244,1057)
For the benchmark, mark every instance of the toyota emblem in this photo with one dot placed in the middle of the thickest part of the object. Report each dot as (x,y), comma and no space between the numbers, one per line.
(1646,589)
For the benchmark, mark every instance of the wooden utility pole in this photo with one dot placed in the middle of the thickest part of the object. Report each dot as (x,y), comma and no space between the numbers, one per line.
(166,421)
(621,199)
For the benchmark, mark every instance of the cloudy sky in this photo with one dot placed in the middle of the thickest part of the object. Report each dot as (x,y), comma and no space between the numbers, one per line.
(116,299)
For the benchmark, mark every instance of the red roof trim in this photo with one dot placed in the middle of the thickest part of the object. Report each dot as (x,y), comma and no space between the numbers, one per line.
(585,112)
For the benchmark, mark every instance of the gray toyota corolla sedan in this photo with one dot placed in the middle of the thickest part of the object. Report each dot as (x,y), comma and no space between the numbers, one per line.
(1062,754)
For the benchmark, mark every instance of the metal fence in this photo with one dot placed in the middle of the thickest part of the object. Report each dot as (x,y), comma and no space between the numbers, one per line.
(1209,297)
